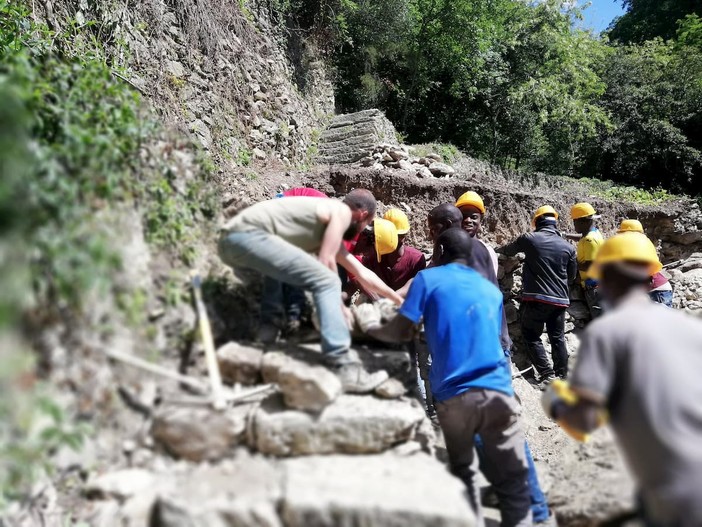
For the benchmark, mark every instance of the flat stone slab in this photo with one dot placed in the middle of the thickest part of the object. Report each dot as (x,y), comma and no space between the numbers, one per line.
(353,424)
(372,491)
(244,491)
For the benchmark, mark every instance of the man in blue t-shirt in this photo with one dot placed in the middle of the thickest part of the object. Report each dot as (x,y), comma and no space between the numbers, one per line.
(470,380)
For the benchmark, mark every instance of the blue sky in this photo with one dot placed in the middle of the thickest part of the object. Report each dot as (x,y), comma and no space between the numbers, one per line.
(600,13)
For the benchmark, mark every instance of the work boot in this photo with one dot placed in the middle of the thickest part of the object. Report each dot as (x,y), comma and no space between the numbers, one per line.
(355,379)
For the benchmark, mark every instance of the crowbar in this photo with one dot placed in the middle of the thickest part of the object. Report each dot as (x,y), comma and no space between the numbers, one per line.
(520,373)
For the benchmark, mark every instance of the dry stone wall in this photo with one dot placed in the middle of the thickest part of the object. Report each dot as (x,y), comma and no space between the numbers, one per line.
(344,460)
(218,71)
(350,137)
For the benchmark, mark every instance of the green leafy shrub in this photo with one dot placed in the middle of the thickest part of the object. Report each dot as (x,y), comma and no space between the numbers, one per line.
(448,152)
(74,137)
(88,129)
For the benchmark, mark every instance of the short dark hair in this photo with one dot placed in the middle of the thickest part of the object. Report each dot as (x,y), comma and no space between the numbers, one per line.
(456,244)
(361,199)
(445,213)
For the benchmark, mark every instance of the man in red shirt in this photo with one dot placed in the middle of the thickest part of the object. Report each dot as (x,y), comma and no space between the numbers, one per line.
(402,264)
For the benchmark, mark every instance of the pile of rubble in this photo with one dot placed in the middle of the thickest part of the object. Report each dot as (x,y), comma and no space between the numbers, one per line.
(402,158)
(686,278)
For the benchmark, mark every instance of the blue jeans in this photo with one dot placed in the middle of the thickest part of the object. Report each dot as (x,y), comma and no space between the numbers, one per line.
(539,506)
(273,257)
(662,297)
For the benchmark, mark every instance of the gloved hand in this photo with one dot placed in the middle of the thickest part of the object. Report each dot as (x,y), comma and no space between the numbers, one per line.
(558,394)
(367,316)
(549,399)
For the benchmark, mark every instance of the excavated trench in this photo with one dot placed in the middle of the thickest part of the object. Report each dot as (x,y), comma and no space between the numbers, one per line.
(510,204)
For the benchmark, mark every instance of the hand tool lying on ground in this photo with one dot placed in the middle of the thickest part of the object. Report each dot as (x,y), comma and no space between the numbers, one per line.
(228,395)
(520,373)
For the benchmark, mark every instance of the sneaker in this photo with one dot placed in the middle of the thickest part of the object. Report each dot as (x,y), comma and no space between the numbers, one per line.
(355,379)
(268,333)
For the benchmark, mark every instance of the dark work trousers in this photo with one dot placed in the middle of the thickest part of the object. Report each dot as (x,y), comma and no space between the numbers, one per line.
(495,416)
(281,302)
(534,315)
(421,362)
(592,298)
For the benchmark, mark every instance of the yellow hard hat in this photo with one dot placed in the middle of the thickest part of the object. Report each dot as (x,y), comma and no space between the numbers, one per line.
(400,220)
(471,198)
(582,210)
(385,235)
(546,209)
(631,226)
(628,247)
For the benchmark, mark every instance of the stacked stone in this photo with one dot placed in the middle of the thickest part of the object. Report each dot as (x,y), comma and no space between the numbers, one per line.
(305,455)
(400,157)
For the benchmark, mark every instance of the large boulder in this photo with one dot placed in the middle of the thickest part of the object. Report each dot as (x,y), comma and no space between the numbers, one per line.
(374,491)
(199,433)
(240,492)
(350,137)
(352,424)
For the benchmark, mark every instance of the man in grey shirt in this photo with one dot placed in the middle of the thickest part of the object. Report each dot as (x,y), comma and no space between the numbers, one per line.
(641,362)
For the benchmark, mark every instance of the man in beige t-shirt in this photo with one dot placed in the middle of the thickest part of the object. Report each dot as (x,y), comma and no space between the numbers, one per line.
(299,242)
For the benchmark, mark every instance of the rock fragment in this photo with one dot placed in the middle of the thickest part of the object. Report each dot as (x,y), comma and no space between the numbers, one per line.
(391,389)
(308,387)
(240,364)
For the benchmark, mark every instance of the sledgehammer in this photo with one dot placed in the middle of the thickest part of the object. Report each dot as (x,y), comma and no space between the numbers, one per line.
(218,400)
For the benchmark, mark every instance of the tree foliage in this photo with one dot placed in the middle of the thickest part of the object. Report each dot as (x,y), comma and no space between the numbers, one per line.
(654,95)
(647,19)
(516,83)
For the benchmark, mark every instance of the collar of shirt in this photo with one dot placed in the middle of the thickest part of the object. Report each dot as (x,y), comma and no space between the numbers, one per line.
(633,297)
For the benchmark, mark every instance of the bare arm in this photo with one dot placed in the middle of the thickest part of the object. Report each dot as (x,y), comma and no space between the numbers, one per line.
(338,220)
(366,278)
(405,288)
